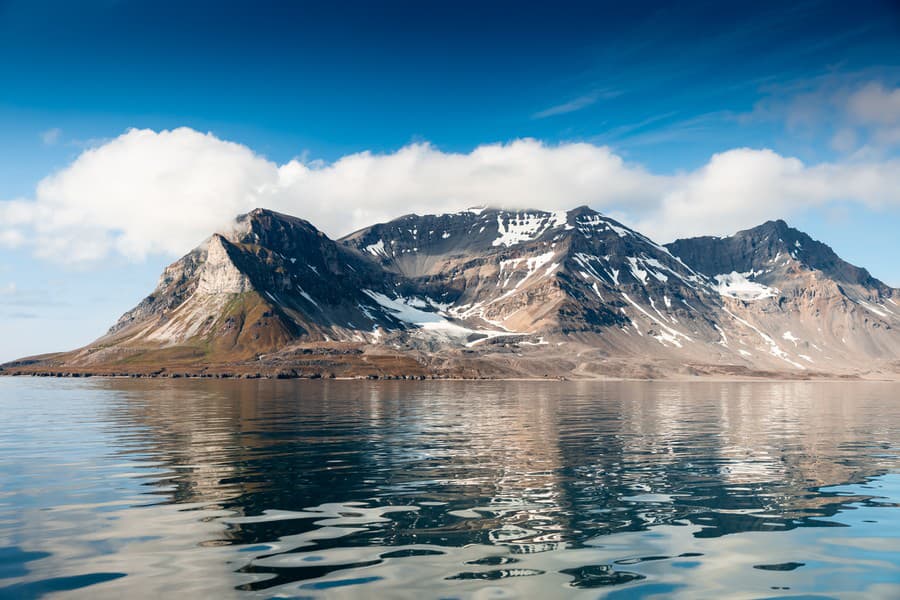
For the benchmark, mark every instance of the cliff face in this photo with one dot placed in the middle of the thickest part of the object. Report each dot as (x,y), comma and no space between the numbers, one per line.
(489,292)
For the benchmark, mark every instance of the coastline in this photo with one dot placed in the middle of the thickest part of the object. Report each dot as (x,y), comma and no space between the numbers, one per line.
(672,378)
(388,366)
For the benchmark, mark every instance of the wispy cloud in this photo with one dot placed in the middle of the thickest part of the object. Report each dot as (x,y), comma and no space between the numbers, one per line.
(51,136)
(620,131)
(664,129)
(853,111)
(875,104)
(576,104)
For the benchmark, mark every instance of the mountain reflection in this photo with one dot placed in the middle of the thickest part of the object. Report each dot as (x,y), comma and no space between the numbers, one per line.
(528,465)
(424,489)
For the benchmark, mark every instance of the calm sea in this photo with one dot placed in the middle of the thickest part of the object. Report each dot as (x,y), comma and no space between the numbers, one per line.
(120,488)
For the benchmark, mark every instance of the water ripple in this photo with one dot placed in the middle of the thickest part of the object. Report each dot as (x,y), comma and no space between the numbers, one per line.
(435,489)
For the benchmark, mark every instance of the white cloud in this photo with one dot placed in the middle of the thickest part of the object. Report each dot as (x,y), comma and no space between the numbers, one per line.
(51,136)
(744,187)
(143,192)
(11,238)
(149,192)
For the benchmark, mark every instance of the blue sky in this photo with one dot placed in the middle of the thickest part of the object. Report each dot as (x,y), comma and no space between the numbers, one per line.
(664,88)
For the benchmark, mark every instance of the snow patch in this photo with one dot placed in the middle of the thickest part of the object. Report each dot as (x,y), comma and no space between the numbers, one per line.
(787,335)
(638,273)
(736,285)
(377,249)
(524,227)
(668,335)
(724,340)
(620,231)
(403,311)
(365,311)
(532,264)
(877,311)
(308,297)
(560,219)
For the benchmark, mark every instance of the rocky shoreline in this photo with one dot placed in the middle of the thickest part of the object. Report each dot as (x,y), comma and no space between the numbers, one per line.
(246,372)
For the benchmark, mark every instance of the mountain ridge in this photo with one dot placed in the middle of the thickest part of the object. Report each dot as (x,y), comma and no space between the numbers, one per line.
(785,239)
(488,292)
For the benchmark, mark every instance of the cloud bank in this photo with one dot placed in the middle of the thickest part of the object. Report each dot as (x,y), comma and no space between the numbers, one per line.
(147,192)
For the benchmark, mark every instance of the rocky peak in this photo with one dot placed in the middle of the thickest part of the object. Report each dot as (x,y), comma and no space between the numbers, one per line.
(272,229)
(404,244)
(771,251)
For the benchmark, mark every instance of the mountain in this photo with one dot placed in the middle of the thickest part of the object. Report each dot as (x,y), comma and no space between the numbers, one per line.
(269,280)
(537,277)
(268,283)
(497,293)
(821,308)
(774,253)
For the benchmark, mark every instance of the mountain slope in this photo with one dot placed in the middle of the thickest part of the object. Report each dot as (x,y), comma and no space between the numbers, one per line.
(497,293)
(773,252)
(799,293)
(270,282)
(604,291)
(529,270)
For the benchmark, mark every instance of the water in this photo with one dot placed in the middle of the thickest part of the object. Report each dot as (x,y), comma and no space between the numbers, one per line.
(259,489)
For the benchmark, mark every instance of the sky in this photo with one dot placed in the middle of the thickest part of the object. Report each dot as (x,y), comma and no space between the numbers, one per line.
(131,130)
